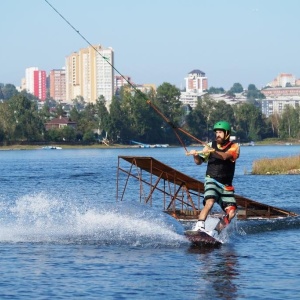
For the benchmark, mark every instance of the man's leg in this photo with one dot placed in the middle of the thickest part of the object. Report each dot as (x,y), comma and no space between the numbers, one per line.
(209,203)
(230,214)
(200,225)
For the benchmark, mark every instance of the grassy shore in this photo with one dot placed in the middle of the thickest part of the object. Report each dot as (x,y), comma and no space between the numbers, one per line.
(274,166)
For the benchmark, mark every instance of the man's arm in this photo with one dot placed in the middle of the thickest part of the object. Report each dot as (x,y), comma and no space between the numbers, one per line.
(232,153)
(222,155)
(199,159)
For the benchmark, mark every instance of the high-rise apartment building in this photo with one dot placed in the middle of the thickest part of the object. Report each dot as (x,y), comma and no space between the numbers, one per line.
(196,82)
(35,82)
(29,79)
(57,78)
(40,90)
(89,73)
(195,86)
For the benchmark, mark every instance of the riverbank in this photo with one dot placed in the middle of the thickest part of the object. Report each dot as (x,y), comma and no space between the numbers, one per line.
(268,142)
(64,146)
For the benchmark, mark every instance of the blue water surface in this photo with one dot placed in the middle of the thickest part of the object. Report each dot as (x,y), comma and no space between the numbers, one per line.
(64,235)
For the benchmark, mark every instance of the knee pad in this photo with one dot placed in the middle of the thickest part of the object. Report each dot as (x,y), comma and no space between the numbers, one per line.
(230,208)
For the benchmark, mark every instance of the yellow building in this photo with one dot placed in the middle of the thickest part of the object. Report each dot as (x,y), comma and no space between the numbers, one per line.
(89,73)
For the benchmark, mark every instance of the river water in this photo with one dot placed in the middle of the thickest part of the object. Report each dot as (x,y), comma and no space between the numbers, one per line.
(63,235)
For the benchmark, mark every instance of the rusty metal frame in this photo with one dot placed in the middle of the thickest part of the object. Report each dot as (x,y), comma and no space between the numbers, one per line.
(176,185)
(171,190)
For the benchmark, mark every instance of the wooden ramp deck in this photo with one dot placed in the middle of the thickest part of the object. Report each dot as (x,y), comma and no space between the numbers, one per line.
(180,194)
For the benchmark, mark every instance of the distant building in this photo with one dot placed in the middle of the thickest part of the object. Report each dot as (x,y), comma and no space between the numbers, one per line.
(283,80)
(35,82)
(196,82)
(60,122)
(23,85)
(57,78)
(89,74)
(196,85)
(40,89)
(29,79)
(121,81)
(281,91)
(146,87)
(239,98)
(276,105)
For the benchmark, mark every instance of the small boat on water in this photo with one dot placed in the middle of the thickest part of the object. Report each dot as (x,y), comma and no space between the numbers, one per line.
(51,148)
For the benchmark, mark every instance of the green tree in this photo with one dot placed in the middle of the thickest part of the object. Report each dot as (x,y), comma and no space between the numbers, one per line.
(68,134)
(250,122)
(236,88)
(7,127)
(44,113)
(79,103)
(222,111)
(214,90)
(197,121)
(289,123)
(168,101)
(207,112)
(253,93)
(145,121)
(59,111)
(7,91)
(21,120)
(53,135)
(75,114)
(274,121)
(118,126)
(88,137)
(102,115)
(87,121)
(29,96)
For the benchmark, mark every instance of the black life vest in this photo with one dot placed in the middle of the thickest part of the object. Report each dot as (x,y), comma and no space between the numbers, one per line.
(219,169)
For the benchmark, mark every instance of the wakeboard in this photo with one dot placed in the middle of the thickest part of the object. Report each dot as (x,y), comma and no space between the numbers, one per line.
(200,238)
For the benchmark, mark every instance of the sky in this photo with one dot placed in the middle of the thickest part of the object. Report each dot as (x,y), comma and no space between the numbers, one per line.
(156,41)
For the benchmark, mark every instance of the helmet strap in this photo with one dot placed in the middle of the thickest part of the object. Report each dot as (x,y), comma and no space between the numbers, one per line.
(227,135)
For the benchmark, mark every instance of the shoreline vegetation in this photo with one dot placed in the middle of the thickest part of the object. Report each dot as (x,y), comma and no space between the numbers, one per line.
(37,146)
(277,166)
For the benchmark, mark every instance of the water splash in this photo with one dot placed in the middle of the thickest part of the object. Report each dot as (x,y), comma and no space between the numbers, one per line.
(42,218)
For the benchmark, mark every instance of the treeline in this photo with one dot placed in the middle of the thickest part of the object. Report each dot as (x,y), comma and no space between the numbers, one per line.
(130,117)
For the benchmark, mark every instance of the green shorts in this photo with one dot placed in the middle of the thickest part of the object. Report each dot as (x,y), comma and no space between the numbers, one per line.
(216,191)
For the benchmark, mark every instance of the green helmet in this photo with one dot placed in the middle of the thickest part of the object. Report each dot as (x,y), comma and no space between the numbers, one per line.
(222,125)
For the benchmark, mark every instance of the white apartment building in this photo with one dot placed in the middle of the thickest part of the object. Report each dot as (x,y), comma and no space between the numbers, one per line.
(195,86)
(89,73)
(276,105)
(29,79)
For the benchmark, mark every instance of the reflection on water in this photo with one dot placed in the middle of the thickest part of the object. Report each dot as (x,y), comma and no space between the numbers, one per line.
(219,271)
